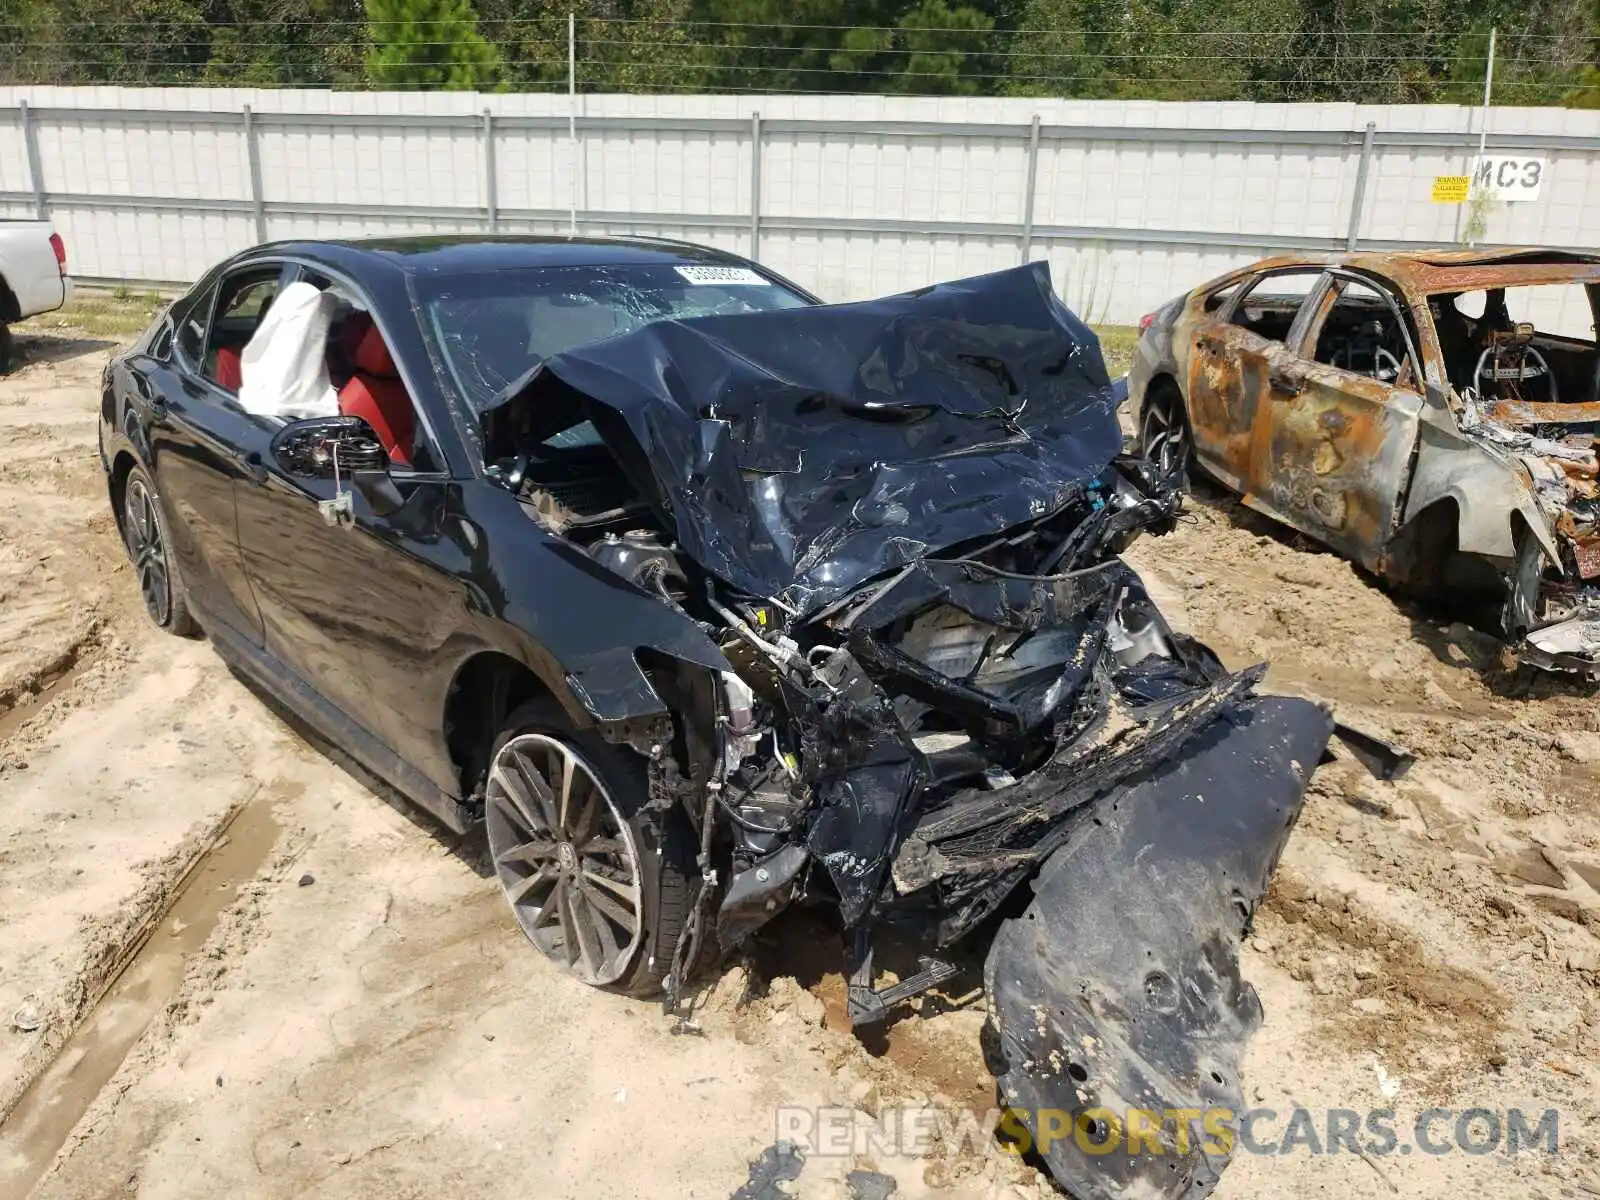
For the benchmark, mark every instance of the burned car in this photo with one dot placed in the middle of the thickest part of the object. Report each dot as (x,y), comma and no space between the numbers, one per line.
(708,599)
(1432,415)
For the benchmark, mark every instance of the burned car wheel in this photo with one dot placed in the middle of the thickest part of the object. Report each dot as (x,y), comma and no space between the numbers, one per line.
(144,533)
(600,886)
(1164,431)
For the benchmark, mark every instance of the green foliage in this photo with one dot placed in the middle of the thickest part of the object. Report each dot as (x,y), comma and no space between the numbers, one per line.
(932,49)
(428,44)
(1584,91)
(1364,51)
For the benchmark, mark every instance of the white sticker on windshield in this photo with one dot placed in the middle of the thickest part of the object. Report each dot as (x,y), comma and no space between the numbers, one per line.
(735,276)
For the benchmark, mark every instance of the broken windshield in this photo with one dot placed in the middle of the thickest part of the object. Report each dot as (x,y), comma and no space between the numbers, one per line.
(488,329)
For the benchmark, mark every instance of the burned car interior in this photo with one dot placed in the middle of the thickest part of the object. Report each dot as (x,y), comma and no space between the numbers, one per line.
(1271,304)
(1502,357)
(1364,334)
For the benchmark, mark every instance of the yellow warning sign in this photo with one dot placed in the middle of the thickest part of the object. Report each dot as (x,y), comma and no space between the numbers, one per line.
(1451,189)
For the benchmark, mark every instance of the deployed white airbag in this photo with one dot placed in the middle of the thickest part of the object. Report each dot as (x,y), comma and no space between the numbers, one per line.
(284,368)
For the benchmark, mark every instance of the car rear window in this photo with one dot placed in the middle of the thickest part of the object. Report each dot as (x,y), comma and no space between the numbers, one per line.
(489,328)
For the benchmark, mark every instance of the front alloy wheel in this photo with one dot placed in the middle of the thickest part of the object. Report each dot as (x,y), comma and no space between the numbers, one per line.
(566,857)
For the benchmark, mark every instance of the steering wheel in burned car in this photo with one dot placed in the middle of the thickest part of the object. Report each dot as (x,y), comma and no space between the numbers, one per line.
(1508,363)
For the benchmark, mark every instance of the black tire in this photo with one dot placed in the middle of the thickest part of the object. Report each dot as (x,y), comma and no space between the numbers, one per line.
(1164,436)
(8,349)
(145,536)
(663,847)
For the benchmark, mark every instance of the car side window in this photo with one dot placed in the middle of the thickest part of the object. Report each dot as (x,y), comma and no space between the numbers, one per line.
(362,370)
(191,336)
(1270,306)
(244,298)
(1361,334)
(161,344)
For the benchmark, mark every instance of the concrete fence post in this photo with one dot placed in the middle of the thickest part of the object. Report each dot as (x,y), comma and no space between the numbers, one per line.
(30,140)
(755,184)
(1029,188)
(1360,197)
(252,151)
(491,177)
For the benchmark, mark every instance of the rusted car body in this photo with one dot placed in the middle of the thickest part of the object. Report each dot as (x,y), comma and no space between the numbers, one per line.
(1359,399)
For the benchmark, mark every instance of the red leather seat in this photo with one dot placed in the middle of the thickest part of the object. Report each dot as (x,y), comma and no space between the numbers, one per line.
(342,357)
(229,368)
(376,394)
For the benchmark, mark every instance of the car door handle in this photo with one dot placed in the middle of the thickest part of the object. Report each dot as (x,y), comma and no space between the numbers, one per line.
(255,469)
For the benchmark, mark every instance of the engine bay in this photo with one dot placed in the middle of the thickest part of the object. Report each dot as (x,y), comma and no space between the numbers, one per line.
(953,677)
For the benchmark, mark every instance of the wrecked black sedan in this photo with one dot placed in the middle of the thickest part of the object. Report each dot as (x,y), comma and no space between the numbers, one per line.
(709,599)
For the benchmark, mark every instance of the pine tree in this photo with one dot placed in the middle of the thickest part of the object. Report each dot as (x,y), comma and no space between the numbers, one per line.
(428,44)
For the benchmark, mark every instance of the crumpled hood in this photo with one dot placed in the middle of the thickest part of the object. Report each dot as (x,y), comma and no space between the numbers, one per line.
(798,453)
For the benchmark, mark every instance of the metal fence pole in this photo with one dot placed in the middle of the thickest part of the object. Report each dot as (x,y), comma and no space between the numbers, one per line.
(1475,195)
(1360,197)
(252,151)
(755,184)
(30,139)
(1488,94)
(1031,187)
(572,116)
(491,182)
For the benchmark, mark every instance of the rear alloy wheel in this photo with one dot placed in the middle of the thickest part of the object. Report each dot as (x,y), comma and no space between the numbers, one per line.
(600,886)
(144,531)
(1164,431)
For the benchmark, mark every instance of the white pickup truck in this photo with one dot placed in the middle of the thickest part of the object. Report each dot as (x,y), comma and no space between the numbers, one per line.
(33,276)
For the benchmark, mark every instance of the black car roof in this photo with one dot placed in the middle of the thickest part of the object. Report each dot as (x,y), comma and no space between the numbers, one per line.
(465,253)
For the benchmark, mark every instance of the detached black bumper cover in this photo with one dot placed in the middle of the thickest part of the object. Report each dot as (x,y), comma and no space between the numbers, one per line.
(1118,991)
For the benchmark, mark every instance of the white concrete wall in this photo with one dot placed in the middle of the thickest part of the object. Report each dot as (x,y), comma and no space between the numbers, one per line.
(1124,223)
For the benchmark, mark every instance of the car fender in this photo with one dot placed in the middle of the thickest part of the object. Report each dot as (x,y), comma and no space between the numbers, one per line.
(604,688)
(1488,490)
(579,627)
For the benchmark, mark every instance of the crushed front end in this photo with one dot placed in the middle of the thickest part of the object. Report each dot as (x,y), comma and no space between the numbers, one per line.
(1515,334)
(1552,611)
(900,522)
(1020,718)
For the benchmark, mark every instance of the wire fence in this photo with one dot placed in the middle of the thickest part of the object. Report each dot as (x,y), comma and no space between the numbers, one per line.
(853,197)
(1152,57)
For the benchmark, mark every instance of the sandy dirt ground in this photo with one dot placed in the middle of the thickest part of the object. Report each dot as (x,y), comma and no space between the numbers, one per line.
(230,965)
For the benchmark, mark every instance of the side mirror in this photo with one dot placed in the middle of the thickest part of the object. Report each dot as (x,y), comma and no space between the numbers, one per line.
(328,448)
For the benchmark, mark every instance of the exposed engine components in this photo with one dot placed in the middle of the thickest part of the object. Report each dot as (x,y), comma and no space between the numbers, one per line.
(640,558)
